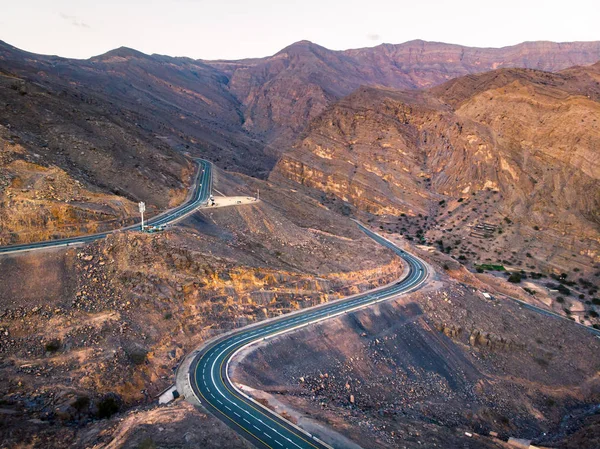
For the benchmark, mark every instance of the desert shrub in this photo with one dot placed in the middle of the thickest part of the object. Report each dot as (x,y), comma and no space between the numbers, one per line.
(147,443)
(560,299)
(81,403)
(542,362)
(593,314)
(108,406)
(137,355)
(52,345)
(515,278)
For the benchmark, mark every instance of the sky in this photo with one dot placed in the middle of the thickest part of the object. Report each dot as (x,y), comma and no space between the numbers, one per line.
(235,29)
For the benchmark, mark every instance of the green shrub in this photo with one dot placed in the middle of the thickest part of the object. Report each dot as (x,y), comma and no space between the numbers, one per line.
(515,278)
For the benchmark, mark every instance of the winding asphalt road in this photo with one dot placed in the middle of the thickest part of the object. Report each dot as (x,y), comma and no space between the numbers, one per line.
(208,372)
(202,191)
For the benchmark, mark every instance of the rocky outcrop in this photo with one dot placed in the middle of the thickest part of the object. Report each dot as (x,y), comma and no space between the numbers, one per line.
(532,137)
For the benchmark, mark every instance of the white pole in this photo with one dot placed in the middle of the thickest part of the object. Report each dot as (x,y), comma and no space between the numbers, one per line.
(142,207)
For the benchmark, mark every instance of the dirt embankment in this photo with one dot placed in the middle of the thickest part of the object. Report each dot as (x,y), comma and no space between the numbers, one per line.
(426,368)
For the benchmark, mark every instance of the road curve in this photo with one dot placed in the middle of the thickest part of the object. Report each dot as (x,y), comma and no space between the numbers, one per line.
(208,372)
(201,194)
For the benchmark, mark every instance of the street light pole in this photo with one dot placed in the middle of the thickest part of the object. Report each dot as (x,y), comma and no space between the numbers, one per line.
(142,207)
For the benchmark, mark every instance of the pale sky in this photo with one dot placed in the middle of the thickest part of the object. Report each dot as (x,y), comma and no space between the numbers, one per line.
(234,29)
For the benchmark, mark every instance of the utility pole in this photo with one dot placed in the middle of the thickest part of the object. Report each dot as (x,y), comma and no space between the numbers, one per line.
(257,194)
(142,207)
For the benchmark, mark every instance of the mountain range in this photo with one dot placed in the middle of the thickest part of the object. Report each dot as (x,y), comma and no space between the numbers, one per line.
(390,129)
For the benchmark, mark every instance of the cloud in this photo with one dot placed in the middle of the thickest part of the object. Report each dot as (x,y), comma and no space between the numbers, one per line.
(373,37)
(74,20)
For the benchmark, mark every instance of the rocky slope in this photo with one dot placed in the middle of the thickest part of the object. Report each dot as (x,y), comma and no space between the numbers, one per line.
(120,123)
(511,148)
(442,367)
(89,331)
(173,103)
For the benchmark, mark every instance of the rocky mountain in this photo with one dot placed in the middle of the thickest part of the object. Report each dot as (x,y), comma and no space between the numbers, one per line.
(245,113)
(82,141)
(182,103)
(280,93)
(508,146)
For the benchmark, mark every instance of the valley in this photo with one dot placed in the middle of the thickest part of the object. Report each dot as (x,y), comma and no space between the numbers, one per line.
(476,175)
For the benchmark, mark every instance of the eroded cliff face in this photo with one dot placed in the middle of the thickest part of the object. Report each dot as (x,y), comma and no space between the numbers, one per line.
(532,137)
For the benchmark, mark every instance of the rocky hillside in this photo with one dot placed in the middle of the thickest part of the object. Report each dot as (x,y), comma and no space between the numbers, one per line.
(282,92)
(70,165)
(90,331)
(243,114)
(432,158)
(439,368)
(176,103)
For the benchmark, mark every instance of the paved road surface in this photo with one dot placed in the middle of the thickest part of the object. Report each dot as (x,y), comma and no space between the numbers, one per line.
(202,191)
(210,382)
